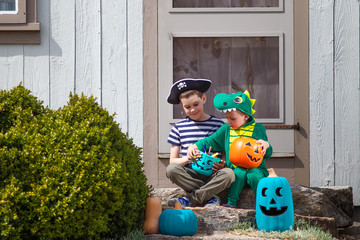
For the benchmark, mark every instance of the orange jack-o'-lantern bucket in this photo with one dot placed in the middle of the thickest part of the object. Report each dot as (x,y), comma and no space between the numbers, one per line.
(245,152)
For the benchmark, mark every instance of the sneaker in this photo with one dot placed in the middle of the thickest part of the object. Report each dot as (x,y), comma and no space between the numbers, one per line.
(228,205)
(214,201)
(182,200)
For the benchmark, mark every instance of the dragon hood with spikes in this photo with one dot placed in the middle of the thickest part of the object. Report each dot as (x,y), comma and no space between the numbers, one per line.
(230,102)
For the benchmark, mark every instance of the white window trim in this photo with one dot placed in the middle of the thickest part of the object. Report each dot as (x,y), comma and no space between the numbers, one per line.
(229,10)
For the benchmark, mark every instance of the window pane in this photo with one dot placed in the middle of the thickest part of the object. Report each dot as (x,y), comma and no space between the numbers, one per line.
(232,64)
(224,3)
(7,5)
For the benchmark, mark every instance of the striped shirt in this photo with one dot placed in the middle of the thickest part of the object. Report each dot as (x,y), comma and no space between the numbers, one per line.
(187,132)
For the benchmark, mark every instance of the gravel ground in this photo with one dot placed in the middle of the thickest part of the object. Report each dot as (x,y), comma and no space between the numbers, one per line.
(223,236)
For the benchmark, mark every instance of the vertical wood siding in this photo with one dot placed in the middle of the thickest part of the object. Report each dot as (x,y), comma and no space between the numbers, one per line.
(11,66)
(346,86)
(114,60)
(36,59)
(87,46)
(334,94)
(62,51)
(321,93)
(135,73)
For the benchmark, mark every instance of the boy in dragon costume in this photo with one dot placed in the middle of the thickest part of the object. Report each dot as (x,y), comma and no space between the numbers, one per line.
(240,122)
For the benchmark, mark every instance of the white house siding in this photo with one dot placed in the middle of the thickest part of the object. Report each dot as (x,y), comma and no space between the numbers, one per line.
(87,46)
(334,94)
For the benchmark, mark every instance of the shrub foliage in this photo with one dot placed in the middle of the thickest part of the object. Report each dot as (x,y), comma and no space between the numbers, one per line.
(69,173)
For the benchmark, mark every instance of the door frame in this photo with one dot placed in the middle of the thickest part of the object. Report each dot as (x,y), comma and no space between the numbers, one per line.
(154,165)
(301,93)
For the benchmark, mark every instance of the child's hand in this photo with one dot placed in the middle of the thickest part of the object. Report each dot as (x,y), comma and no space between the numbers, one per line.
(193,152)
(218,166)
(264,144)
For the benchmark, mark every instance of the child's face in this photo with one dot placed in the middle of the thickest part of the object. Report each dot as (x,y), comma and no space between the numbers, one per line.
(193,106)
(236,118)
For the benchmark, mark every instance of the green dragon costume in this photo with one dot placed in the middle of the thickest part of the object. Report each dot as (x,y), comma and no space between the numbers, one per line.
(221,141)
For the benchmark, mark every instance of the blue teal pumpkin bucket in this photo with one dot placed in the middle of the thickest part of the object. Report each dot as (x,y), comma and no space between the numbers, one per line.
(274,205)
(205,164)
(178,222)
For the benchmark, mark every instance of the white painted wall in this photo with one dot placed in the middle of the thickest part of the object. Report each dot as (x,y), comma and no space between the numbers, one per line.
(334,94)
(87,46)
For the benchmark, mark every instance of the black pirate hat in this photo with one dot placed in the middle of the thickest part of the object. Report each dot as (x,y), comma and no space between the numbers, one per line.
(187,84)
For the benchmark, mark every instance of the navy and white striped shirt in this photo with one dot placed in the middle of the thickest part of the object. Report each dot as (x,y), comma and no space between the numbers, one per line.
(187,132)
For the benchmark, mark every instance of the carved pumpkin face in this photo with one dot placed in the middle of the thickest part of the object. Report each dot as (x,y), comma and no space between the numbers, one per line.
(274,205)
(205,164)
(245,152)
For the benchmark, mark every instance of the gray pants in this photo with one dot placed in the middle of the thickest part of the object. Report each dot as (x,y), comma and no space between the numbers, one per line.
(199,188)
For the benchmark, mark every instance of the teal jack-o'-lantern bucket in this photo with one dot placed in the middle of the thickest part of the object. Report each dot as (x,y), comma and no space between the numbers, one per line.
(205,164)
(274,205)
(178,222)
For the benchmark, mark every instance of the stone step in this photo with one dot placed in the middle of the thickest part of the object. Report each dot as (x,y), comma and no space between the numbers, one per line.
(353,230)
(332,202)
(214,221)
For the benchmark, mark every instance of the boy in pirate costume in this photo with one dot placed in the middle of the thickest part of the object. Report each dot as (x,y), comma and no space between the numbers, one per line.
(240,122)
(200,189)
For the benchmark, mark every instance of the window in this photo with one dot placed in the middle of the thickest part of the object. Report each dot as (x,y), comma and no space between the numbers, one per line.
(8,6)
(219,59)
(18,23)
(12,11)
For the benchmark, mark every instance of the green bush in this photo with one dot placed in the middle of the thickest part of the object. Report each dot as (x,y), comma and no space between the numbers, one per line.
(69,173)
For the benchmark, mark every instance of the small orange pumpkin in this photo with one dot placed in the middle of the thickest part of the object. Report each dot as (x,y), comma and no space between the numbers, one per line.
(246,153)
(153,211)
